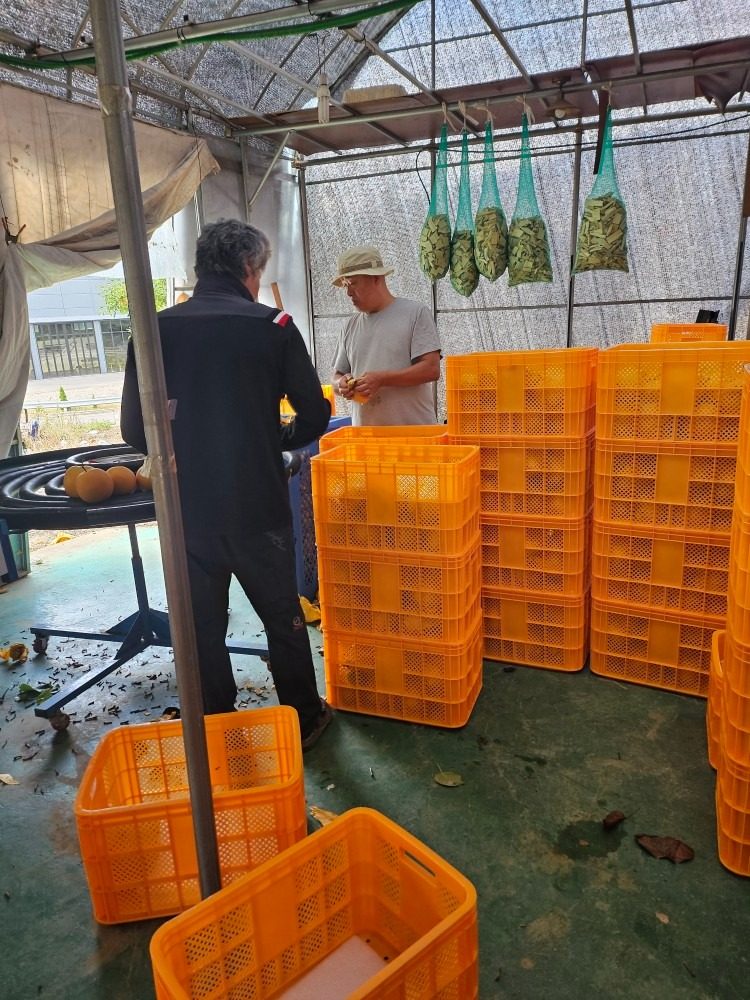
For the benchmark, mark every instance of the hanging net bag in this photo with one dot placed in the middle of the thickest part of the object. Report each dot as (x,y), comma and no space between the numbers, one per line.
(435,238)
(528,249)
(602,237)
(490,227)
(464,273)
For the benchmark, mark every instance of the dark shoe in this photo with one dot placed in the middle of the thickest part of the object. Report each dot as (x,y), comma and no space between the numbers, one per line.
(321,724)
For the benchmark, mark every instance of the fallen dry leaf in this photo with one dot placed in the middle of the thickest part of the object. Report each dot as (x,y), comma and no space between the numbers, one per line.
(613,819)
(8,779)
(448,779)
(662,917)
(323,816)
(665,847)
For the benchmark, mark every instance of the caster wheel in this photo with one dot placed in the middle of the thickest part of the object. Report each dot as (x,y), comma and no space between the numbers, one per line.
(40,643)
(60,721)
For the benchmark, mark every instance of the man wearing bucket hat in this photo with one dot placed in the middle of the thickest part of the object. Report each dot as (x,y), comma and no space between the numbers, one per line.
(388,353)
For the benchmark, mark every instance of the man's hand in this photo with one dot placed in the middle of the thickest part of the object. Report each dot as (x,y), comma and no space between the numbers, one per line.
(344,388)
(370,383)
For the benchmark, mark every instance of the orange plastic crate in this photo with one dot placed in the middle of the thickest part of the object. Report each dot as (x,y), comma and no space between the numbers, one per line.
(539,631)
(714,704)
(406,434)
(430,683)
(396,497)
(361,876)
(134,817)
(738,614)
(737,664)
(540,393)
(734,854)
(536,554)
(687,332)
(403,595)
(733,814)
(668,486)
(534,478)
(665,570)
(652,393)
(658,649)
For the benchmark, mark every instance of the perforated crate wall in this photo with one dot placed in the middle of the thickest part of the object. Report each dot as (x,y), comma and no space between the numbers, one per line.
(714,703)
(543,631)
(662,333)
(551,556)
(359,876)
(134,819)
(733,814)
(667,570)
(671,393)
(403,595)
(397,497)
(534,478)
(738,611)
(658,649)
(402,434)
(691,489)
(540,393)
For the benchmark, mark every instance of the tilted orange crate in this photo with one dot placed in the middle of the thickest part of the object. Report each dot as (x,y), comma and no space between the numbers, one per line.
(533,477)
(434,684)
(539,393)
(406,594)
(714,703)
(665,570)
(407,434)
(687,332)
(537,630)
(665,486)
(669,392)
(360,883)
(396,497)
(134,817)
(551,555)
(656,648)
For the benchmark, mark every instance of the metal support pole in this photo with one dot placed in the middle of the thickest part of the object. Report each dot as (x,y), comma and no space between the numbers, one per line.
(250,201)
(740,249)
(574,233)
(305,220)
(114,96)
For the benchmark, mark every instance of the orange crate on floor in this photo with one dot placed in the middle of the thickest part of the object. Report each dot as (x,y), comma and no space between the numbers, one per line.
(396,497)
(541,630)
(134,817)
(662,333)
(655,648)
(737,663)
(714,704)
(539,393)
(408,434)
(534,478)
(360,881)
(665,487)
(400,595)
(671,392)
(430,683)
(738,614)
(733,814)
(536,554)
(665,570)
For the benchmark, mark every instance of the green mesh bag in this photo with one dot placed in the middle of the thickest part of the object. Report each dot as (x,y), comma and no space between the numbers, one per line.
(528,249)
(464,273)
(602,236)
(490,227)
(435,238)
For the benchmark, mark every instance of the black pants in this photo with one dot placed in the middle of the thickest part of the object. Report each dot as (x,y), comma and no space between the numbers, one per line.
(264,566)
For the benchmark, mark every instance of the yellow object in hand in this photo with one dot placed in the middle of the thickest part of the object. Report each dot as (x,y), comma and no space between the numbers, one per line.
(358,397)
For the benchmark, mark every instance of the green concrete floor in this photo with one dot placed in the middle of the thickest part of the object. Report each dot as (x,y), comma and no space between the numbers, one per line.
(565,910)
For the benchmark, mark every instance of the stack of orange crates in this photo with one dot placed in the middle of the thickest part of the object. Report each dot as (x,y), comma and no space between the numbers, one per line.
(728,713)
(397,525)
(667,423)
(531,413)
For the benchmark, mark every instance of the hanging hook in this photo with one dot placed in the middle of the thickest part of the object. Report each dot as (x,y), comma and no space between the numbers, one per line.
(526,109)
(445,113)
(462,112)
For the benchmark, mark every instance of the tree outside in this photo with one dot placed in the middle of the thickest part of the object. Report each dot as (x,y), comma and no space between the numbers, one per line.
(115,296)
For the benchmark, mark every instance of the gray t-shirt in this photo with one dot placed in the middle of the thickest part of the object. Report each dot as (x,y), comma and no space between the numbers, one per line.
(387,341)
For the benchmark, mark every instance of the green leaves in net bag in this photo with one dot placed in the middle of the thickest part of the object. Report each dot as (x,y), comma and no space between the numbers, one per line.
(464,273)
(602,236)
(435,238)
(490,227)
(528,249)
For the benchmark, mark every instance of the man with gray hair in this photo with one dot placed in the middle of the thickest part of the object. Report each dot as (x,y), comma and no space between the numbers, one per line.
(228,361)
(388,354)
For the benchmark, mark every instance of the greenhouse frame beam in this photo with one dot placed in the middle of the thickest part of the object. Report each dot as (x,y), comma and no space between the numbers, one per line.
(634,42)
(574,88)
(498,33)
(305,85)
